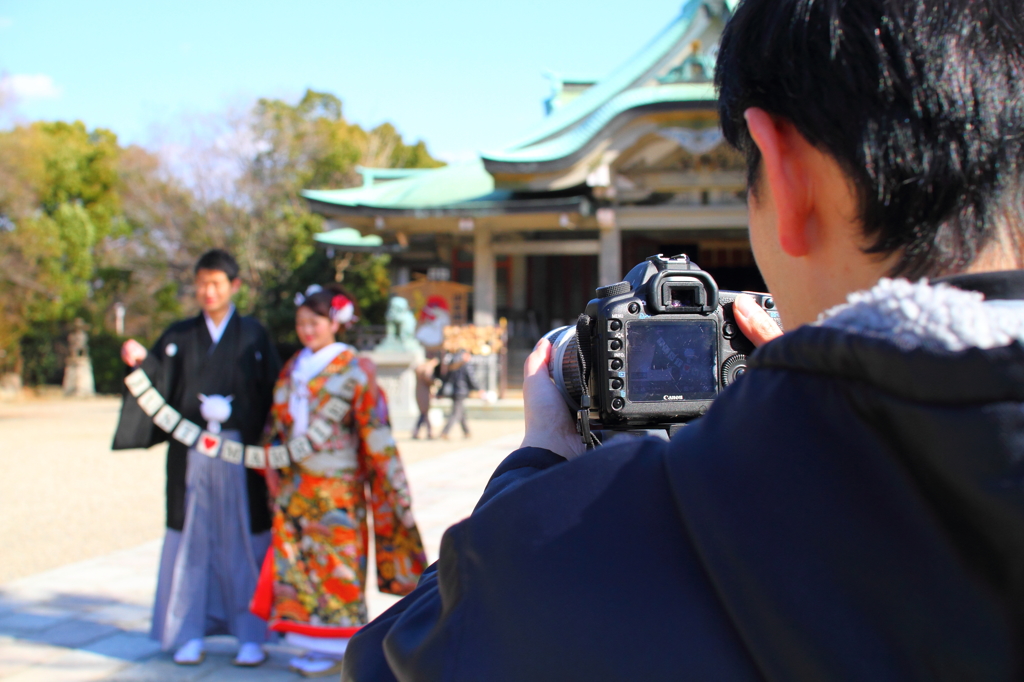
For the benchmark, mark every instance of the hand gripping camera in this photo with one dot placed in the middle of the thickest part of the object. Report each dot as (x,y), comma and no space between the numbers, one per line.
(651,352)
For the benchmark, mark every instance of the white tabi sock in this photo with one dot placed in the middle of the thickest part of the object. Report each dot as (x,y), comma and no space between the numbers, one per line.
(250,654)
(191,653)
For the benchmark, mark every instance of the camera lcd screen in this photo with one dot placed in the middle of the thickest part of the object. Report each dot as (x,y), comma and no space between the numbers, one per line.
(671,360)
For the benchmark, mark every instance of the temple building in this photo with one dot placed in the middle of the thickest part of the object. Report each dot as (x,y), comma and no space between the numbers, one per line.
(621,168)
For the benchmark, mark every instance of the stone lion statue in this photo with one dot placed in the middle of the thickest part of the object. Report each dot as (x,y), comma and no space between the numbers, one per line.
(401,327)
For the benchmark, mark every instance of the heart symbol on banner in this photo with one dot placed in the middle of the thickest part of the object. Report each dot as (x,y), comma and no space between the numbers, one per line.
(209,442)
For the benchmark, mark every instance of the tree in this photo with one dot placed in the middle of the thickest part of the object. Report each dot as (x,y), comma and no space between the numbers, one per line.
(86,224)
(58,199)
(302,146)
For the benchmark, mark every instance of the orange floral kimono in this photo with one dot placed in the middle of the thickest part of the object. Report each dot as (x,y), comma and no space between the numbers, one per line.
(319,533)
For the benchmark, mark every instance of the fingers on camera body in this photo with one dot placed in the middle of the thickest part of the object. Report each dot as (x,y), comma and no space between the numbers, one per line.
(754,322)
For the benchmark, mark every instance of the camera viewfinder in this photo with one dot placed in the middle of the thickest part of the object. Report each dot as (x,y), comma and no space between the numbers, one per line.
(683,296)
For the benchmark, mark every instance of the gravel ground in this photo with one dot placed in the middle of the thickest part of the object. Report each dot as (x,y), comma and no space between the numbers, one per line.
(65,496)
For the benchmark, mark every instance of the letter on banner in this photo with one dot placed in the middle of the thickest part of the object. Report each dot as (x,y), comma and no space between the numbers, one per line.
(231,451)
(208,444)
(300,448)
(344,385)
(319,431)
(137,382)
(277,456)
(167,418)
(187,432)
(151,401)
(255,457)
(334,409)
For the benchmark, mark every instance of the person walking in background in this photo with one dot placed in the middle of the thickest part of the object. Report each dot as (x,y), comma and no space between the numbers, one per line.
(312,587)
(217,369)
(459,382)
(424,379)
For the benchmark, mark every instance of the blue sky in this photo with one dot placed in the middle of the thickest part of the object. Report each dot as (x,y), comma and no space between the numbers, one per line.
(463,75)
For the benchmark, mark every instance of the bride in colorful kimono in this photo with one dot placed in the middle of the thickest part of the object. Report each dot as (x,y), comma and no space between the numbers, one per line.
(328,410)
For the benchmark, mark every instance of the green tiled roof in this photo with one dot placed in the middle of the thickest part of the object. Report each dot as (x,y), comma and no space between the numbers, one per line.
(348,237)
(564,145)
(569,128)
(435,188)
(469,188)
(464,189)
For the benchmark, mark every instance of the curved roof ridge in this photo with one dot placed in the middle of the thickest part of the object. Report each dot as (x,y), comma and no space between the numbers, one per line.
(574,140)
(608,88)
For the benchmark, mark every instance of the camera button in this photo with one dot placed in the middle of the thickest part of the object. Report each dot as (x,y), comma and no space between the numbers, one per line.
(729,330)
(769,303)
(614,325)
(614,344)
(615,363)
(618,403)
(633,308)
(616,384)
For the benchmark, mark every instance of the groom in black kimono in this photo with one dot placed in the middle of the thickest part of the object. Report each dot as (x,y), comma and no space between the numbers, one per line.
(218,370)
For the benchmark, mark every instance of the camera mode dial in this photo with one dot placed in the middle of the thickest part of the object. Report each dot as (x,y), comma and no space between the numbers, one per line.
(614,290)
(733,368)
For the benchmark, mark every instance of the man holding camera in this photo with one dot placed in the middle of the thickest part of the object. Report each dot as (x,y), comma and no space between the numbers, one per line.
(853,507)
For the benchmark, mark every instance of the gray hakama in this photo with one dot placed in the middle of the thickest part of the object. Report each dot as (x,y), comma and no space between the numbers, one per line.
(208,570)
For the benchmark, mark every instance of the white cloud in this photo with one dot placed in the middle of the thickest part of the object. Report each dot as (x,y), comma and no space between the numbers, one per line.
(29,86)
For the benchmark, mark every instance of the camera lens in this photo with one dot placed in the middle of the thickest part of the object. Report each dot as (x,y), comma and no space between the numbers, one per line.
(564,365)
(615,364)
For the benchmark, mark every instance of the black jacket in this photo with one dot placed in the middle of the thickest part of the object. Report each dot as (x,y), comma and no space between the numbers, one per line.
(459,382)
(181,365)
(847,511)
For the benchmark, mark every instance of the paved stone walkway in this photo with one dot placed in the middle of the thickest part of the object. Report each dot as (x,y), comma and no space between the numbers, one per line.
(88,620)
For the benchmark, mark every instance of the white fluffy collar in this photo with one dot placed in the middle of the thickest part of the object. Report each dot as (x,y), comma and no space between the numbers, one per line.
(930,316)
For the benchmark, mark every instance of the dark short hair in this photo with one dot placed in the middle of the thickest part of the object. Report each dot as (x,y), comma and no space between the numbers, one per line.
(218,259)
(921,102)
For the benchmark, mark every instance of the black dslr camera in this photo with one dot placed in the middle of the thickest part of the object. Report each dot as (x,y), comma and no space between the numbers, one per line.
(652,352)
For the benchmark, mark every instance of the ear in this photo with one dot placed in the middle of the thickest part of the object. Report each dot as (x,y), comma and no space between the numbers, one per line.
(783,170)
(236,284)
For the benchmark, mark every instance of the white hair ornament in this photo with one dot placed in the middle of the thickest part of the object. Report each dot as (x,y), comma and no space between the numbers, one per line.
(300,297)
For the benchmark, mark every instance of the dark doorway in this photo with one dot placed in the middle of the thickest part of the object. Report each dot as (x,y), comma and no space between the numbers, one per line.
(732,266)
(729,261)
(559,288)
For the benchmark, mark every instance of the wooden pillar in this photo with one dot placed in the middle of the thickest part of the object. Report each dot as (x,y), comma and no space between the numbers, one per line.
(484,278)
(519,284)
(609,259)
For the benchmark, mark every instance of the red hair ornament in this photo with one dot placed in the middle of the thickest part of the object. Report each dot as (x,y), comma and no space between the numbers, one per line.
(342,310)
